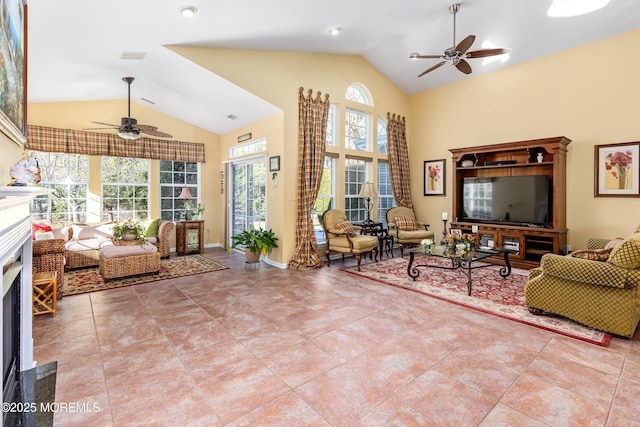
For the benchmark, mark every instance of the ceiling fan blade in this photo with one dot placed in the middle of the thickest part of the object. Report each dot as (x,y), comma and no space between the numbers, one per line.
(428,70)
(464,66)
(146,128)
(156,133)
(417,56)
(482,53)
(465,44)
(105,124)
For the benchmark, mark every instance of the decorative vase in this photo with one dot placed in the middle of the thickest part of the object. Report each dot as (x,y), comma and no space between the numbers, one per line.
(622,178)
(129,237)
(252,256)
(540,157)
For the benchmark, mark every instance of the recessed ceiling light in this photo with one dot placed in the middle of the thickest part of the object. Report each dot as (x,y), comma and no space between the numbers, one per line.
(569,8)
(334,31)
(188,11)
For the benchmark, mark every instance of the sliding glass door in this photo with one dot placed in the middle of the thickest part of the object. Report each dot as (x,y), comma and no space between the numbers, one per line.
(248,195)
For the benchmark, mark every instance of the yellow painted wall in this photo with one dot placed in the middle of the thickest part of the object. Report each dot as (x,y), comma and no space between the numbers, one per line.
(78,115)
(11,153)
(585,94)
(276,78)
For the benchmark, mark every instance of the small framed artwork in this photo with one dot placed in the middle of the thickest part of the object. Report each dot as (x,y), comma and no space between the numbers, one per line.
(434,171)
(274,163)
(13,62)
(617,170)
(456,232)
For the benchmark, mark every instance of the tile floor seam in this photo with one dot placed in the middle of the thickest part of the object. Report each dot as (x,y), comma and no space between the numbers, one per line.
(104,374)
(617,387)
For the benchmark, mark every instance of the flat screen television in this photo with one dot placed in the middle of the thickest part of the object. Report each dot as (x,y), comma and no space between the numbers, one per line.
(522,200)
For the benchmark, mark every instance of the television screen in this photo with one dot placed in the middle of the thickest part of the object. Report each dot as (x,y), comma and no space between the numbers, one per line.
(512,199)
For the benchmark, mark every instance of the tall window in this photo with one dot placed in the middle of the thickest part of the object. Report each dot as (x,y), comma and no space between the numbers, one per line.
(125,188)
(331,126)
(324,202)
(68,175)
(355,176)
(174,176)
(385,194)
(382,137)
(356,128)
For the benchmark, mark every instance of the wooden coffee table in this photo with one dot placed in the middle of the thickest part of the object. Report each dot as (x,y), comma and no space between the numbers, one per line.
(463,263)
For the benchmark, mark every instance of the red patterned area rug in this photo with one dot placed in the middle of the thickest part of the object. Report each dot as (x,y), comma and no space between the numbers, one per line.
(490,293)
(90,280)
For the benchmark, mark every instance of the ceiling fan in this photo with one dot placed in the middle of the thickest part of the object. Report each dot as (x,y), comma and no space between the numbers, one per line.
(457,54)
(129,127)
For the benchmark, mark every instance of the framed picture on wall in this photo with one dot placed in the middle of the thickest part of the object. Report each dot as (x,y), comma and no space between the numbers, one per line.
(13,71)
(617,170)
(274,163)
(434,177)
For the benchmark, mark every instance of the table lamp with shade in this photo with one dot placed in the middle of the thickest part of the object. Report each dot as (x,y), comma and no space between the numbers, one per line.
(368,191)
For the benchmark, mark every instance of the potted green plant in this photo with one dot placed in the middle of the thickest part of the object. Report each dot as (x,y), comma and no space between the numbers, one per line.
(255,242)
(131,229)
(192,212)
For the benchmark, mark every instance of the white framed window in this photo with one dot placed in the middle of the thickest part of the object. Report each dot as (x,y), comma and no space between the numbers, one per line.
(331,126)
(382,137)
(385,193)
(68,176)
(125,188)
(356,93)
(355,175)
(356,130)
(174,176)
(253,147)
(325,199)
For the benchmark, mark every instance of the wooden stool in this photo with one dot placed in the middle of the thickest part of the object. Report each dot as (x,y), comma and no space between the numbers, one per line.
(44,292)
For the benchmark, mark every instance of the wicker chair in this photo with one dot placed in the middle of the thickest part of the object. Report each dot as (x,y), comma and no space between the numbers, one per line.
(48,255)
(410,232)
(164,231)
(343,242)
(599,294)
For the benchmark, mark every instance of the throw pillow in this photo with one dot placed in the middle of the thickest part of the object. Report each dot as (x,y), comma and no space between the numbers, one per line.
(592,254)
(612,243)
(346,227)
(152,229)
(39,227)
(405,223)
(626,254)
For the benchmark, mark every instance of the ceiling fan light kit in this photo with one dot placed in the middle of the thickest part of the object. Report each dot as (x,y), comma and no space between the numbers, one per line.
(457,54)
(129,128)
(571,8)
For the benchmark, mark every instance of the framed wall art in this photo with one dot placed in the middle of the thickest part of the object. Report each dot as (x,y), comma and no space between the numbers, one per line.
(617,170)
(434,171)
(13,71)
(274,163)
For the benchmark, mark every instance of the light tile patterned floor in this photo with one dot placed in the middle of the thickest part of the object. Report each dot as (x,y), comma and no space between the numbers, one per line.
(249,347)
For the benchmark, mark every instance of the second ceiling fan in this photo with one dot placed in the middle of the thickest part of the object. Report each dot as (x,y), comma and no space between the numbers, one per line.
(457,54)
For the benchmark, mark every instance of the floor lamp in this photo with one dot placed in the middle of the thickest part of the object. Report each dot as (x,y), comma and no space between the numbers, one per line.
(368,191)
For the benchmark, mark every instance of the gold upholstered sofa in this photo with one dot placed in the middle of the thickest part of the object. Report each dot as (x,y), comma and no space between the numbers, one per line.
(598,287)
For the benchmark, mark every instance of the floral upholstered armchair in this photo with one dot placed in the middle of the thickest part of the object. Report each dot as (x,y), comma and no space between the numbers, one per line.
(597,287)
(405,229)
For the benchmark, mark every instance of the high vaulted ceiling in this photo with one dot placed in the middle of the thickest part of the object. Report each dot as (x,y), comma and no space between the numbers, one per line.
(76,46)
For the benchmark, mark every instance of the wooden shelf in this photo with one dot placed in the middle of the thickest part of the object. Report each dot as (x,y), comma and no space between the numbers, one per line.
(533,242)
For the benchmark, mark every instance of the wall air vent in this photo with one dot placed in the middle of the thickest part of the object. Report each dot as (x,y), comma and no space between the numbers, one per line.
(133,55)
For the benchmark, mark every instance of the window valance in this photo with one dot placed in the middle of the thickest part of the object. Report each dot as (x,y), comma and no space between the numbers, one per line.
(55,140)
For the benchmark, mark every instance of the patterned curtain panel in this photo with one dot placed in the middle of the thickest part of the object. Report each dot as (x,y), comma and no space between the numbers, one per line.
(399,160)
(312,132)
(54,140)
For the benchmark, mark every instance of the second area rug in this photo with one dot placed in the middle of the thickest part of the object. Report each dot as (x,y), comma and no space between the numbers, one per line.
(490,294)
(90,280)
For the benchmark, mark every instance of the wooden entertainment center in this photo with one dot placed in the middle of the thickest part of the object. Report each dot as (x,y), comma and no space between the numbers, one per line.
(546,156)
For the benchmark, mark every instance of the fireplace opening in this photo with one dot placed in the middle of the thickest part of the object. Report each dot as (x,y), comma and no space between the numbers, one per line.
(10,330)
